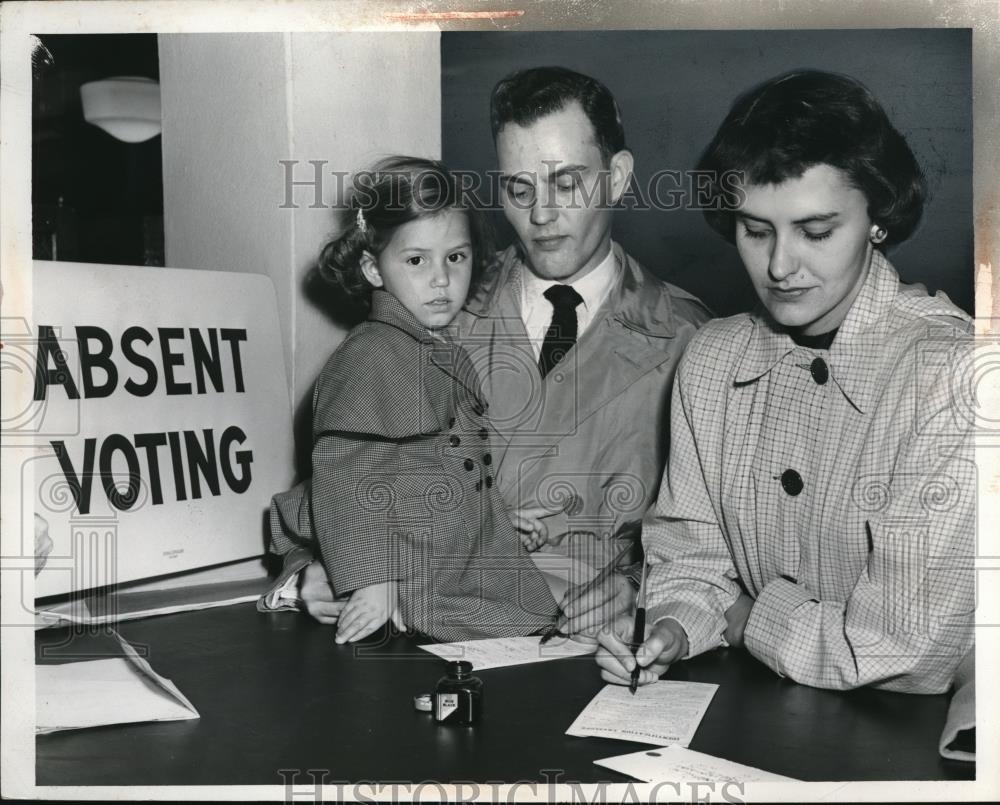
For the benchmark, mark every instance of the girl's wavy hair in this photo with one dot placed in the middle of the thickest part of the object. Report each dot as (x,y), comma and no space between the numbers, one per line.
(779,129)
(394,192)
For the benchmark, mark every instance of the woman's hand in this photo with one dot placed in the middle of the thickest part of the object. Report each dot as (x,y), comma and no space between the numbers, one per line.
(736,620)
(666,642)
(367,610)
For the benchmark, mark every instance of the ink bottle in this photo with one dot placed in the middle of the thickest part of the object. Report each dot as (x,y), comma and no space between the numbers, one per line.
(458,697)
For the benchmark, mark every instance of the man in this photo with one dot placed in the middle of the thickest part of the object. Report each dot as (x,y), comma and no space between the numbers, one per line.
(575,343)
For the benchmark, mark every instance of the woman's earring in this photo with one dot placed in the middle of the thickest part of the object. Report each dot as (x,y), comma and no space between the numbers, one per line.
(878,234)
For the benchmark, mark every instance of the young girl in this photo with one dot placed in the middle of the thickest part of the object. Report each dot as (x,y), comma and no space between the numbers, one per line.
(403,505)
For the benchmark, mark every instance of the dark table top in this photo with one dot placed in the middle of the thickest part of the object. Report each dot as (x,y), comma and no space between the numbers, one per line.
(275,692)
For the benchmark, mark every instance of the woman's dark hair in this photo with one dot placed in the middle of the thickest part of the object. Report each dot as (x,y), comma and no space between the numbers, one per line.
(394,192)
(779,129)
(528,95)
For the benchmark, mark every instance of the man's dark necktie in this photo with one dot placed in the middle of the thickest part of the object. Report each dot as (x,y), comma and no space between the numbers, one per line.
(561,335)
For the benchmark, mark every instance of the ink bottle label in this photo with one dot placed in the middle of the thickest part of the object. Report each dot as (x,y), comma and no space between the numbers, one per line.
(458,697)
(446,704)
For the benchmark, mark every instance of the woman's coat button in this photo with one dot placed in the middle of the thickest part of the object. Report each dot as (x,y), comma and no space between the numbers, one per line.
(819,371)
(791,482)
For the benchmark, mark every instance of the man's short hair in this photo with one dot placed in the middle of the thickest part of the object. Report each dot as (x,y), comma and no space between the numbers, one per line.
(528,95)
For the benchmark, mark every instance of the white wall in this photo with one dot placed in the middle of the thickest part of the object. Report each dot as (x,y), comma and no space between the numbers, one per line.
(356,97)
(234,105)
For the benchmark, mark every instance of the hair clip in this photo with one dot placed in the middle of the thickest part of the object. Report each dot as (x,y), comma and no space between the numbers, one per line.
(362,224)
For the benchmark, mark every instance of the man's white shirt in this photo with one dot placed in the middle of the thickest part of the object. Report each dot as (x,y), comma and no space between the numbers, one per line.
(536,310)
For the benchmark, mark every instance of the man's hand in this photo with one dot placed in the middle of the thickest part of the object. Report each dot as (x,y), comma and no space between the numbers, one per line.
(665,643)
(588,606)
(317,594)
(736,620)
(367,611)
(530,525)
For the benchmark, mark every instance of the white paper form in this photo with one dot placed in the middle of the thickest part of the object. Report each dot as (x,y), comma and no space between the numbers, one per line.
(117,690)
(501,652)
(664,713)
(676,764)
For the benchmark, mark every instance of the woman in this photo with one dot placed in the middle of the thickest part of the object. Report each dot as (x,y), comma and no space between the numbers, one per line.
(818,505)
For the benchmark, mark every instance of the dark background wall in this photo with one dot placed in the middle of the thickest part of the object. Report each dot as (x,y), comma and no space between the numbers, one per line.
(675,87)
(94,198)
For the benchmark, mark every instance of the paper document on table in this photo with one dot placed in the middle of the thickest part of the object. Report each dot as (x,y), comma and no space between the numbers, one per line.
(676,764)
(501,652)
(664,713)
(116,690)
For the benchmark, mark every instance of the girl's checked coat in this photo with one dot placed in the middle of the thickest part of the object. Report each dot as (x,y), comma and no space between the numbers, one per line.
(404,488)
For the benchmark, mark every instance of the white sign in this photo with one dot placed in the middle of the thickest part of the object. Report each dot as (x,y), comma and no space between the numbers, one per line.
(161,415)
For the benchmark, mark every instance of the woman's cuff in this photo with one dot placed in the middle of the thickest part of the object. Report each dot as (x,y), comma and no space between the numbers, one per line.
(770,629)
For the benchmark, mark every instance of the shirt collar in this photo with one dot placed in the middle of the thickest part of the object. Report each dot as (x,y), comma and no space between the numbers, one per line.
(593,287)
(637,299)
(855,350)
